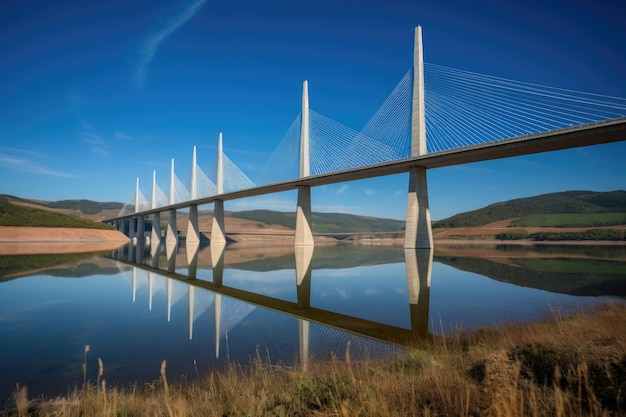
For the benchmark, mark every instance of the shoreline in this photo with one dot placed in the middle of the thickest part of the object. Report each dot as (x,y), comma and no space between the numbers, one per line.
(15,240)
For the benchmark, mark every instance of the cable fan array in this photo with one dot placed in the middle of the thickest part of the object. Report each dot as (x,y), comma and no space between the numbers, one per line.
(461,109)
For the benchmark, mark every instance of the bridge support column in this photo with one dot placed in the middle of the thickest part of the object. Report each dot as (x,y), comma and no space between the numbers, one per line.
(418,232)
(172,229)
(131,227)
(193,233)
(141,228)
(218,234)
(155,237)
(304,235)
(192,259)
(217,263)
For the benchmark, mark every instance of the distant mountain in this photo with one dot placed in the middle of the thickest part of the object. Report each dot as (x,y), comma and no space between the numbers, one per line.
(324,222)
(568,202)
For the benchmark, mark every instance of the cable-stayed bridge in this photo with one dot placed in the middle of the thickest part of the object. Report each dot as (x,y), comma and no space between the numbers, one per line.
(434,117)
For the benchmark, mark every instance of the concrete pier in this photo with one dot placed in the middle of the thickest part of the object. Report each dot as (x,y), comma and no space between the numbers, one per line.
(218,231)
(304,234)
(418,230)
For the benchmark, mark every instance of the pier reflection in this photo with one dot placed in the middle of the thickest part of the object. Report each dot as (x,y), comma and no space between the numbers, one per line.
(227,280)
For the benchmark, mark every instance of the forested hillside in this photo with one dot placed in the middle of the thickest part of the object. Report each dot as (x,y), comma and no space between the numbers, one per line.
(17,215)
(324,222)
(568,202)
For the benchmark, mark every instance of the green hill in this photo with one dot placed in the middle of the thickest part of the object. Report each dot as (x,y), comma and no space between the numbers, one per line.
(563,209)
(594,206)
(83,206)
(16,215)
(324,222)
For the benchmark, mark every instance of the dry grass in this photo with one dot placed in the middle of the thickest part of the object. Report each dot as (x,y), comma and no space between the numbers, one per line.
(565,366)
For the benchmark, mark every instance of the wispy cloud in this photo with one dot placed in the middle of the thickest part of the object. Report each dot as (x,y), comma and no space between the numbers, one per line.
(85,124)
(21,151)
(28,165)
(98,144)
(92,138)
(151,44)
(101,151)
(123,136)
(370,191)
(342,189)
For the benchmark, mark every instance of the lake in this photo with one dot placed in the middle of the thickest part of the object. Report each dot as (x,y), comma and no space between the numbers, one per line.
(199,307)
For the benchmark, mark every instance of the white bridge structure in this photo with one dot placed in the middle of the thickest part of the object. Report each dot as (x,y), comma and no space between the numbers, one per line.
(467,117)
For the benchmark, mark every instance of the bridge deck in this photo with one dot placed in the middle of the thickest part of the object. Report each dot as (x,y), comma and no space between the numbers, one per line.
(613,130)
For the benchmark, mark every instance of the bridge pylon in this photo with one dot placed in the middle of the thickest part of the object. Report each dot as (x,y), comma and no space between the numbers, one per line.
(172,229)
(304,234)
(218,232)
(193,232)
(418,232)
(155,237)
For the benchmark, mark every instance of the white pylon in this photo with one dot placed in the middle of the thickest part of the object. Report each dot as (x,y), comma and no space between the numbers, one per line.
(172,184)
(194,176)
(220,166)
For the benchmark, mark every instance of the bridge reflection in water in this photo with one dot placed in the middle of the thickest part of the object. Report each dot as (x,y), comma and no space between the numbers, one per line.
(218,278)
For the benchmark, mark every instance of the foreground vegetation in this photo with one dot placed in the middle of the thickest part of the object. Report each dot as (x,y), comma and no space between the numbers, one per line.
(574,366)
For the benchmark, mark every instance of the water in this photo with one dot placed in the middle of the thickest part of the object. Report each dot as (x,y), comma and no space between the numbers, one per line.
(200,307)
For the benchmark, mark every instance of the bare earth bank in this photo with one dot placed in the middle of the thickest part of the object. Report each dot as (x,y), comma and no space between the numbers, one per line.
(51,240)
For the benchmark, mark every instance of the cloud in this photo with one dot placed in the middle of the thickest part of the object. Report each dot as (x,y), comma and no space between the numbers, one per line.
(21,151)
(342,189)
(85,124)
(101,151)
(29,165)
(151,44)
(99,145)
(123,136)
(92,138)
(370,191)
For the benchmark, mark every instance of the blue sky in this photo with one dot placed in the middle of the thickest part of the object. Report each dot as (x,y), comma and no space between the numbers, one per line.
(97,94)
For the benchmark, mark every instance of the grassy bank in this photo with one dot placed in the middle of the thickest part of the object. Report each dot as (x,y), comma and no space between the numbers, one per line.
(563,366)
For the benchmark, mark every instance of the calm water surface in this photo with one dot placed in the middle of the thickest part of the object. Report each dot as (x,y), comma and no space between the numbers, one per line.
(199,307)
